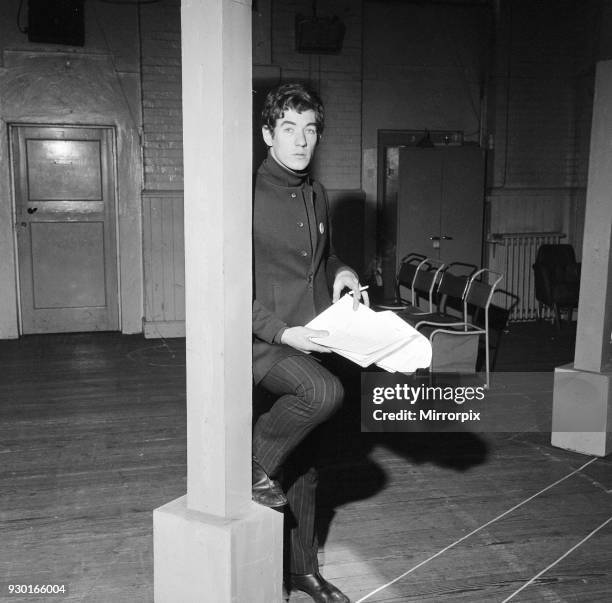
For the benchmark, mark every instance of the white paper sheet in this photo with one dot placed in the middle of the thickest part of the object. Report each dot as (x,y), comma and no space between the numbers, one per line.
(367,337)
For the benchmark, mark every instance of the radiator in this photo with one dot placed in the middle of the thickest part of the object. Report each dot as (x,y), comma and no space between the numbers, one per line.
(513,254)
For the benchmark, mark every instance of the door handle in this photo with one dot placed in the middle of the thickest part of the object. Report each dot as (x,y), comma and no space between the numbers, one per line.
(445,238)
(32,210)
(434,238)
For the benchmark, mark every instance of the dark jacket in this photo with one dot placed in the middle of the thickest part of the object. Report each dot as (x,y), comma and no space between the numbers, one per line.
(294,263)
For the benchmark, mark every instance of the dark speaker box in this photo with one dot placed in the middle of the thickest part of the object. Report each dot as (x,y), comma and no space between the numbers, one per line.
(56,22)
(319,35)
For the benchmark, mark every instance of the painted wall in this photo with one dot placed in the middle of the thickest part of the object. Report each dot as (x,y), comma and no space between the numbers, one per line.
(160,28)
(162,148)
(97,84)
(424,68)
(541,115)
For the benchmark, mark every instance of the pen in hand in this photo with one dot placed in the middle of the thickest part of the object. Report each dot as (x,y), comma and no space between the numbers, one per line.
(360,289)
(364,298)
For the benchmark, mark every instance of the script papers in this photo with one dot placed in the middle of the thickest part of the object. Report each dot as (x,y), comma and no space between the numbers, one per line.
(367,337)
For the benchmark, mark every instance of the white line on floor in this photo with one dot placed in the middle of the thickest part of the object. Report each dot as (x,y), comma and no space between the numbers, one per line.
(482,527)
(559,559)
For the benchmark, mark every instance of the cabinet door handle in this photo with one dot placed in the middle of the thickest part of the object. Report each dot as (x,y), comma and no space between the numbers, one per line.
(445,238)
(434,238)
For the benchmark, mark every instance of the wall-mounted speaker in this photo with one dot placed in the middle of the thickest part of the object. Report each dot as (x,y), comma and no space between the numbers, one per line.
(319,35)
(56,22)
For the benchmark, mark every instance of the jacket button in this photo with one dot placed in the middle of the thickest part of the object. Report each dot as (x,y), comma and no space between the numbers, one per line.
(301,224)
(303,253)
(293,195)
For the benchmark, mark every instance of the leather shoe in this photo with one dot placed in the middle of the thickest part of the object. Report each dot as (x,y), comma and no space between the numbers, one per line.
(266,491)
(318,588)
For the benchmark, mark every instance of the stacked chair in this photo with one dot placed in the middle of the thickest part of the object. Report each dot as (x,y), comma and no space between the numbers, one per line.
(420,276)
(456,315)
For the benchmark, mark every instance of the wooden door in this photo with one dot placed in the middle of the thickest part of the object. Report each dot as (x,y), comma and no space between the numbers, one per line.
(65,221)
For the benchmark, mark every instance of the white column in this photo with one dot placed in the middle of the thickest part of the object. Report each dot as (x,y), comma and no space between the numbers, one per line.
(214,544)
(582,400)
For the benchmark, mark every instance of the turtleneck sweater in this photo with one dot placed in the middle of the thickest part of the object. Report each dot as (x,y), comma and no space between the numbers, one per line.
(281,174)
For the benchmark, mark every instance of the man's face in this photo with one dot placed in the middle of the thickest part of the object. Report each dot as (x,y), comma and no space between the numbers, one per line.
(293,139)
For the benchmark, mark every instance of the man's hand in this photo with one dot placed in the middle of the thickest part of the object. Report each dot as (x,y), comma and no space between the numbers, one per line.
(300,339)
(345,279)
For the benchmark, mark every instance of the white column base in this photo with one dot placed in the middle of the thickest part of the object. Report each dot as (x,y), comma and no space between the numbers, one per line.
(582,411)
(200,558)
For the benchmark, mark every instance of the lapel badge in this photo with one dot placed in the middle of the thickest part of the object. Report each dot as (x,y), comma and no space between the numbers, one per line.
(321,228)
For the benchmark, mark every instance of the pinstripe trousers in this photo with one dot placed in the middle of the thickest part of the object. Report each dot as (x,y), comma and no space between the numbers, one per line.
(308,394)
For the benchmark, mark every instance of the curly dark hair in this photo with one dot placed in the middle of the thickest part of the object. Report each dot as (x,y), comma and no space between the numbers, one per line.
(291,96)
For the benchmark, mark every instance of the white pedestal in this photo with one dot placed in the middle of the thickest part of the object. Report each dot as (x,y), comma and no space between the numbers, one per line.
(582,411)
(200,558)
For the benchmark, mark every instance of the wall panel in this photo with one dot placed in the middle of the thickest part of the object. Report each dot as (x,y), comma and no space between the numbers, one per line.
(164,263)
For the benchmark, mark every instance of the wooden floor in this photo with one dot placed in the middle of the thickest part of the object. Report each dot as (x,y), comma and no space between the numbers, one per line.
(92,439)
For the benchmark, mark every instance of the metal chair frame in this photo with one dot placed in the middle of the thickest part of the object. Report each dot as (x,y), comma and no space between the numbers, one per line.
(417,278)
(468,328)
(430,286)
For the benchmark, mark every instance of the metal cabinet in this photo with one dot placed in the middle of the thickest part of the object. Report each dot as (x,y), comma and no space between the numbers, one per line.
(440,203)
